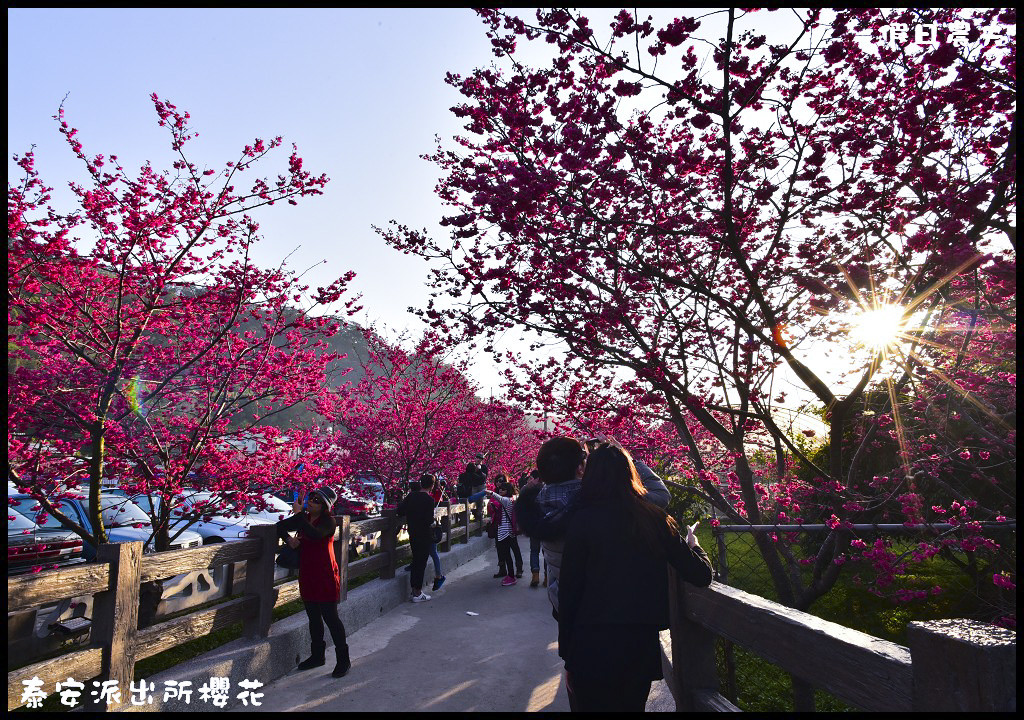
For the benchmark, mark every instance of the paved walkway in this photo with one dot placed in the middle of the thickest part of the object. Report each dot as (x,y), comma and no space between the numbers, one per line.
(434,656)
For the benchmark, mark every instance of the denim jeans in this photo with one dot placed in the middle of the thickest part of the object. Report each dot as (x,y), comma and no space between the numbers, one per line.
(534,555)
(436,559)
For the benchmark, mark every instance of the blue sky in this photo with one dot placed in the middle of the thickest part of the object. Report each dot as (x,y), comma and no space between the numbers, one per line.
(360,91)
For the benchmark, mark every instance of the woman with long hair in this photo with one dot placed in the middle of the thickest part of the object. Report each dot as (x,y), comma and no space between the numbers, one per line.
(613,586)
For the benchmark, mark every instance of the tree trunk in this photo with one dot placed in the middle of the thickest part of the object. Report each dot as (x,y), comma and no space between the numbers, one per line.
(95,477)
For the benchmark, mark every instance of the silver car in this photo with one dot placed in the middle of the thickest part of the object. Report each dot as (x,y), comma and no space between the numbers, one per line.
(123,521)
(30,546)
(199,512)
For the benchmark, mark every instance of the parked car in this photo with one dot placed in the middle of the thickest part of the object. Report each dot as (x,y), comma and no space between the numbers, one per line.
(276,509)
(123,521)
(358,507)
(350,502)
(30,546)
(369,487)
(214,525)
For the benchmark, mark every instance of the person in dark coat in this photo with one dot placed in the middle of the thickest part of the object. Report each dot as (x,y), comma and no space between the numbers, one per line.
(418,510)
(319,578)
(608,631)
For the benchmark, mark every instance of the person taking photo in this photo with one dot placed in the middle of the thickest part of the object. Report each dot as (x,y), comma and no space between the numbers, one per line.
(319,578)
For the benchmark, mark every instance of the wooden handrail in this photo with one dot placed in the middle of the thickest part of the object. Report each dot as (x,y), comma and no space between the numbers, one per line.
(25,591)
(949,665)
(114,580)
(967,665)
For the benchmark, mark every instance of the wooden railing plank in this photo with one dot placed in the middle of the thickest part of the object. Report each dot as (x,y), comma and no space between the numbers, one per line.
(26,591)
(357,568)
(177,562)
(868,672)
(82,665)
(710,701)
(365,527)
(169,634)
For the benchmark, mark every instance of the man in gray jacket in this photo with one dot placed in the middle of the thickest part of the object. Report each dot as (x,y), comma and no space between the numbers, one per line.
(545,503)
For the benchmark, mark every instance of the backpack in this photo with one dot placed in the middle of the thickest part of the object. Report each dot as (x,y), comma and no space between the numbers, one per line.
(463,486)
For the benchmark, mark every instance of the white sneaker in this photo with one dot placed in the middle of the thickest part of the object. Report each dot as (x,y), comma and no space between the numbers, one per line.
(422,597)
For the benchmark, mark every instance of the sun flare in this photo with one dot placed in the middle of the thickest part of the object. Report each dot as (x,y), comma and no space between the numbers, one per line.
(878,327)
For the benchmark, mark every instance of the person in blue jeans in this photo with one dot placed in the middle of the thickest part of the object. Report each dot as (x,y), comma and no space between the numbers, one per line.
(438,577)
(430,485)
(535,562)
(534,542)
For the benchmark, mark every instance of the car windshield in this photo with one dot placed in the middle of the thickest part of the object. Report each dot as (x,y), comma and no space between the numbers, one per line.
(17,521)
(274,505)
(34,511)
(119,511)
(367,488)
(209,504)
(144,504)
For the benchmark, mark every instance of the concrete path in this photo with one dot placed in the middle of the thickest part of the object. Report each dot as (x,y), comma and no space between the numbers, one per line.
(434,656)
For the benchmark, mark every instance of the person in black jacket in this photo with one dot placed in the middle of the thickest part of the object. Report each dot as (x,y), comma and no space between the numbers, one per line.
(418,509)
(608,631)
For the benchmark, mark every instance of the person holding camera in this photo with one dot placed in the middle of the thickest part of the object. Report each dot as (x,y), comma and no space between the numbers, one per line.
(319,577)
(505,533)
(471,480)
(469,486)
(608,633)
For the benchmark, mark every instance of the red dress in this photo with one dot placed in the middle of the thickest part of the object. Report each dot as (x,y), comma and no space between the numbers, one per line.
(319,578)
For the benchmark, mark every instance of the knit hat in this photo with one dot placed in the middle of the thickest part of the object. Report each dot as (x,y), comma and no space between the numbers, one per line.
(329,496)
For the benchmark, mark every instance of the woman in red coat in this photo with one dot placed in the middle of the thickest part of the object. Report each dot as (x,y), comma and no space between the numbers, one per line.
(319,579)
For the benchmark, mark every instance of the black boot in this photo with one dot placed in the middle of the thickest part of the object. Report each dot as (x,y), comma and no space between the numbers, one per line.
(344,663)
(316,658)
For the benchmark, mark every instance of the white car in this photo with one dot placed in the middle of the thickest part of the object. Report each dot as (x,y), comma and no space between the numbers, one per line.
(123,520)
(214,525)
(276,509)
(369,489)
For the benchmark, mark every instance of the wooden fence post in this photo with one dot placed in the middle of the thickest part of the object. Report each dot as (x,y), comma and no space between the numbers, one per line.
(259,582)
(963,666)
(389,543)
(446,539)
(115,619)
(345,536)
(694,671)
(465,517)
(480,514)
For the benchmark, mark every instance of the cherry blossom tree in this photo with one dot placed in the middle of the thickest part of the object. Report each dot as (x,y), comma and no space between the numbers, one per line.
(690,214)
(145,337)
(415,411)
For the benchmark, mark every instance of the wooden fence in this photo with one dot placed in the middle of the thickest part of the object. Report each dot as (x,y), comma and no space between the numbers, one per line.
(950,665)
(117,643)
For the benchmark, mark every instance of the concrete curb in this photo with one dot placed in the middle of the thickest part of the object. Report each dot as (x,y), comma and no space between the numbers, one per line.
(267,659)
